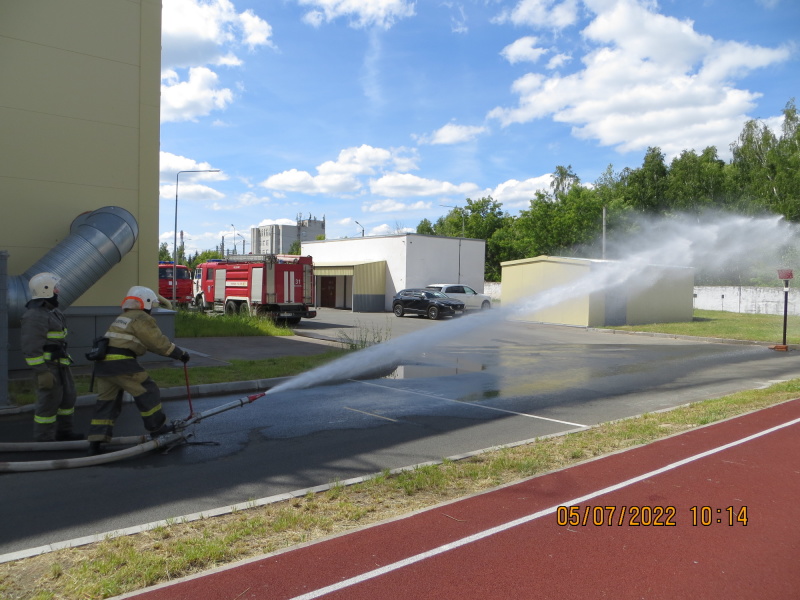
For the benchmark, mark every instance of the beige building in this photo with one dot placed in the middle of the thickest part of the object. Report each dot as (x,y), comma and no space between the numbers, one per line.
(79,112)
(596,293)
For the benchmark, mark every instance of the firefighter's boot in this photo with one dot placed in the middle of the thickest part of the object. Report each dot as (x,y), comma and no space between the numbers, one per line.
(96,448)
(167,427)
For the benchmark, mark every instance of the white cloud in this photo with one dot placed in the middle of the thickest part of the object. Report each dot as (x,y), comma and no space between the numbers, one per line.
(204,33)
(559,60)
(542,14)
(342,175)
(523,50)
(276,222)
(452,134)
(194,35)
(388,205)
(170,164)
(405,185)
(517,194)
(197,97)
(650,80)
(362,13)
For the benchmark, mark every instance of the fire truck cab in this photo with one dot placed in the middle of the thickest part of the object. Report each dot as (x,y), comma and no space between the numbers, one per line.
(183,283)
(277,286)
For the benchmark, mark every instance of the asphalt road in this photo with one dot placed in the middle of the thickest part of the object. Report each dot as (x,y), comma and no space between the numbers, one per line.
(459,388)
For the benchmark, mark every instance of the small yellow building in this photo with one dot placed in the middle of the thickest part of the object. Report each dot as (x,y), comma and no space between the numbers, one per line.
(596,293)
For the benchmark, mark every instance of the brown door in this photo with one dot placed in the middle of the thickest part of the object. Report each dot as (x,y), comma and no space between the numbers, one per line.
(328,292)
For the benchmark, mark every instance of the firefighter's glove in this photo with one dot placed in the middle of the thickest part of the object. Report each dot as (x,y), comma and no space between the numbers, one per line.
(185,357)
(45,381)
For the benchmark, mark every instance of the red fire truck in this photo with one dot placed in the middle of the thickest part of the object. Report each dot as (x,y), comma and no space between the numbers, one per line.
(279,286)
(183,283)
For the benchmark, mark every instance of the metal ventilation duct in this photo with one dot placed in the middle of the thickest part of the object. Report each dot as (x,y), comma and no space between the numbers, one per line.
(97,241)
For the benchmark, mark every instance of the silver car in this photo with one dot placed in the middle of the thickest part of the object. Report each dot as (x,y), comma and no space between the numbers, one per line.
(472,300)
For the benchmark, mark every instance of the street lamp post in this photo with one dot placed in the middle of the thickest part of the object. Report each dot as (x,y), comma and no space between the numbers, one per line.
(785,275)
(362,228)
(175,238)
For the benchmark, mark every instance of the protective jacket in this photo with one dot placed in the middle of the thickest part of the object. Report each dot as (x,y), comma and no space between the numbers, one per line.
(130,336)
(44,344)
(44,336)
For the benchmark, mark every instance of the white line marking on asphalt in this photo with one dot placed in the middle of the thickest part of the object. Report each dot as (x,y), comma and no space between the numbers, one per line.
(532,517)
(363,412)
(511,412)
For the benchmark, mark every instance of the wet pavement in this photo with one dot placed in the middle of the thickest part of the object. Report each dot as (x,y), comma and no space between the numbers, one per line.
(448,395)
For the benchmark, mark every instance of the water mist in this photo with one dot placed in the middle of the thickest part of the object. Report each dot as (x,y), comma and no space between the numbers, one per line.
(712,241)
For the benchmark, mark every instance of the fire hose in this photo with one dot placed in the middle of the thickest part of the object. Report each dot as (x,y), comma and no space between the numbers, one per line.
(142,444)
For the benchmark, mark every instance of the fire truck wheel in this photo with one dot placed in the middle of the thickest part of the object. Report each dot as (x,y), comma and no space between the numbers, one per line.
(230,308)
(244,308)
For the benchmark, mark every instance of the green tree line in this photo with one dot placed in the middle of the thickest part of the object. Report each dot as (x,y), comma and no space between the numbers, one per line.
(763,176)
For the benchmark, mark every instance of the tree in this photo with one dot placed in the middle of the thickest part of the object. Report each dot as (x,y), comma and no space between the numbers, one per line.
(645,187)
(295,248)
(163,252)
(425,227)
(202,257)
(562,181)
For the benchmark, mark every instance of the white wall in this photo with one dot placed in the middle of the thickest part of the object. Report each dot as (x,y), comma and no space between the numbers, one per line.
(752,300)
(411,260)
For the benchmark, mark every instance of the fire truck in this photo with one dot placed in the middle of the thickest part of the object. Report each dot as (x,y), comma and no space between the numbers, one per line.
(278,286)
(183,283)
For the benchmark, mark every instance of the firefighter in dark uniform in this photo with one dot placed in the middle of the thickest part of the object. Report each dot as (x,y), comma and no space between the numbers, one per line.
(132,334)
(44,344)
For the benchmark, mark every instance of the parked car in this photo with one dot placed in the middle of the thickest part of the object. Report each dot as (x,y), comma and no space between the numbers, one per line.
(429,303)
(472,300)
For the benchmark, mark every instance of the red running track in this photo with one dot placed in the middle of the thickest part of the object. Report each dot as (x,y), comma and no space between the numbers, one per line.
(508,543)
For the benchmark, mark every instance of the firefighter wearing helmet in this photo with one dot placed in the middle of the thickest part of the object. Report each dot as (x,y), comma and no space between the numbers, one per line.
(44,344)
(132,334)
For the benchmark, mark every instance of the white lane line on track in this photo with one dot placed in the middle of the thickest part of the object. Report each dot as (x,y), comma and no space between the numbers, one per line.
(527,519)
(511,412)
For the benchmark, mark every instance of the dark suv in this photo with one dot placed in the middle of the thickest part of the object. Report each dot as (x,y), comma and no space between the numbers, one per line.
(428,303)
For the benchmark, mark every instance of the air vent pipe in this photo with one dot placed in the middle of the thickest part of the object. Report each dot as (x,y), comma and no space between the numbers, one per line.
(97,241)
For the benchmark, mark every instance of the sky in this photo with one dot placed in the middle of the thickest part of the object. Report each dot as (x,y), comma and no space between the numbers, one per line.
(376,114)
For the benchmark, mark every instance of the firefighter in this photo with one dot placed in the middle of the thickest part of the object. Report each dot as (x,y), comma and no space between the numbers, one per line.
(44,344)
(132,334)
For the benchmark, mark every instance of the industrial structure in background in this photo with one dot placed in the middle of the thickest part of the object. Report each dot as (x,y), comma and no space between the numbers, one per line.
(277,286)
(278,239)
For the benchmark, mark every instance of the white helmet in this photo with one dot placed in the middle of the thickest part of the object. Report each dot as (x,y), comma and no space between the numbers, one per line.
(140,297)
(44,285)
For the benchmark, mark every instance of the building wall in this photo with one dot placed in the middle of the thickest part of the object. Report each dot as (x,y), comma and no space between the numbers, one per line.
(412,260)
(548,289)
(79,112)
(524,282)
(79,115)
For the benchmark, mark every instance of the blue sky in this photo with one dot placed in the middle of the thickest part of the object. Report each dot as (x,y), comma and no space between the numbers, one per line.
(382,111)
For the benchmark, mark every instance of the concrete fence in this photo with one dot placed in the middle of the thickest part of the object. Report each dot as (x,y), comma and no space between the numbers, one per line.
(741,299)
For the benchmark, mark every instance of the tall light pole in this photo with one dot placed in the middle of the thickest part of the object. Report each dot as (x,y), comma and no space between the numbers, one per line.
(234,237)
(461,210)
(175,239)
(362,227)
